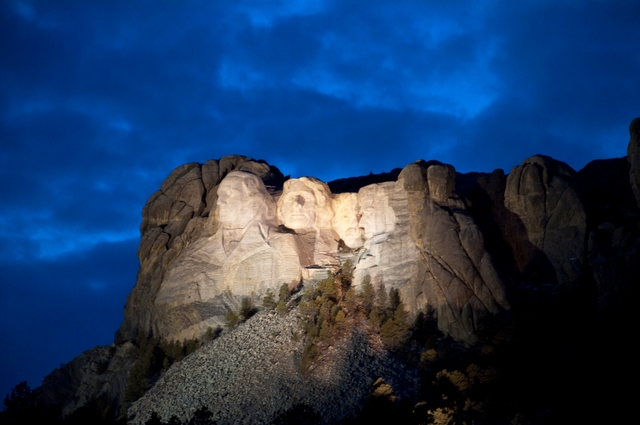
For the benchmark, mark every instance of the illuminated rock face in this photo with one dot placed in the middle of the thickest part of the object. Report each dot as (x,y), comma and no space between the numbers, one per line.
(306,207)
(421,240)
(305,203)
(458,276)
(244,258)
(180,213)
(413,235)
(346,219)
(388,255)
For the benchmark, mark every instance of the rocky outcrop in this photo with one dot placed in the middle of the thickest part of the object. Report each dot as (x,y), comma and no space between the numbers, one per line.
(101,374)
(459,279)
(548,226)
(181,212)
(388,256)
(252,375)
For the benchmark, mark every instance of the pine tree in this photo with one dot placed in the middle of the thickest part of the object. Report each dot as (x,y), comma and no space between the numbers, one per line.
(269,300)
(231,319)
(367,294)
(346,275)
(350,300)
(395,331)
(327,288)
(284,293)
(394,299)
(246,308)
(382,304)
(281,308)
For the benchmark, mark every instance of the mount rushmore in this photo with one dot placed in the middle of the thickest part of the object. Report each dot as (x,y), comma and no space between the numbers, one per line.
(235,228)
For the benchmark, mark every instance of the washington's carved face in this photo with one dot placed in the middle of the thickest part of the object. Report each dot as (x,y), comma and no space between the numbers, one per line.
(305,203)
(242,198)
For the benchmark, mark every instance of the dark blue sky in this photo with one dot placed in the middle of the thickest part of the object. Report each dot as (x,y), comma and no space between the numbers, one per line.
(99,103)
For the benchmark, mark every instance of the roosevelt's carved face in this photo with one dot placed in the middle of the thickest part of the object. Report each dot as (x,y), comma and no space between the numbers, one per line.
(242,198)
(305,203)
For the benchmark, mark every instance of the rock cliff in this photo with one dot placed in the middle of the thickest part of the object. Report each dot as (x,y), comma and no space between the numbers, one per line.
(209,242)
(101,374)
(548,224)
(233,228)
(181,212)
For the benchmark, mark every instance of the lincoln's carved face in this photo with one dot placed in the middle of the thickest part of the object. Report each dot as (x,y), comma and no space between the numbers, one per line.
(305,203)
(345,219)
(242,198)
(377,216)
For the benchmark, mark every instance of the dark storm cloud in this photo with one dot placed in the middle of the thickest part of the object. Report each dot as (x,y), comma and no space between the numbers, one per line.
(100,102)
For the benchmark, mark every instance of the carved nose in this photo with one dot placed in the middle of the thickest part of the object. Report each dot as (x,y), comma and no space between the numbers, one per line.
(300,201)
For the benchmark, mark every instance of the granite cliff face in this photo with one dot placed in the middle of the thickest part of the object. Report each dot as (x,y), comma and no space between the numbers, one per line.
(208,242)
(233,228)
(548,223)
(181,212)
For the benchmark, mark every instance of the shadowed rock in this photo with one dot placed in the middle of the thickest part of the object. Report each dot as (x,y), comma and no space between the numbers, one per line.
(548,229)
(459,278)
(633,155)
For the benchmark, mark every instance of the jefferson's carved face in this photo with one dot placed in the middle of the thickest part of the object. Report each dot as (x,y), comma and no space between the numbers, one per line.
(242,198)
(305,203)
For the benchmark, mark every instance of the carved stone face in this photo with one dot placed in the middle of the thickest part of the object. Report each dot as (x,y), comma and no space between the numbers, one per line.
(345,219)
(305,203)
(299,210)
(377,216)
(242,198)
